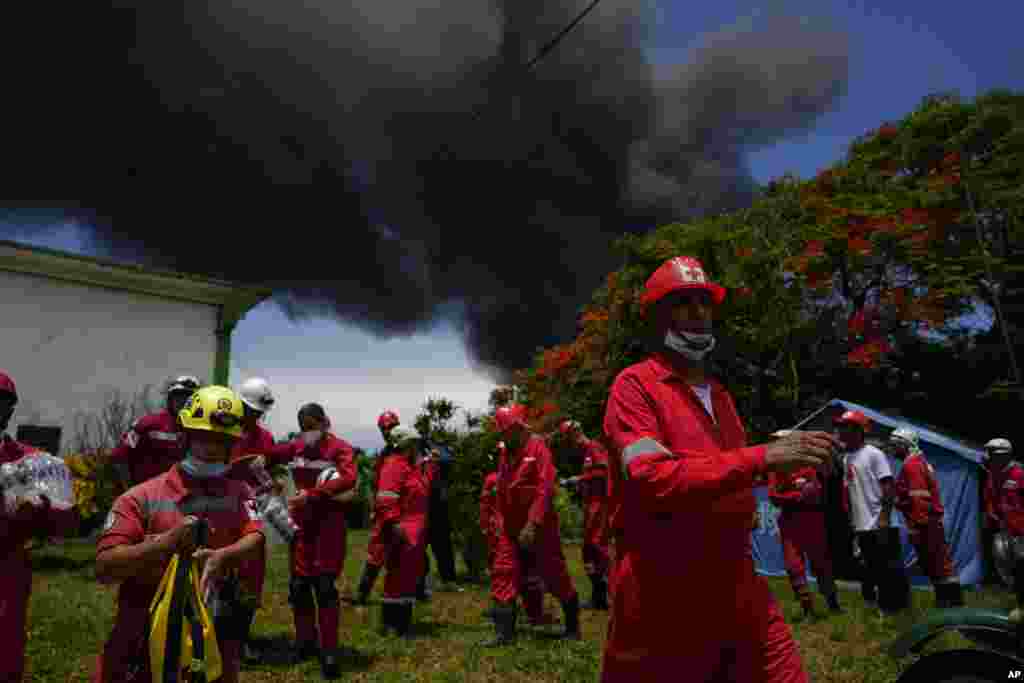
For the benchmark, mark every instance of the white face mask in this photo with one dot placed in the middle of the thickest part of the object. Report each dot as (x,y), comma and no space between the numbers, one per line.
(312,437)
(694,346)
(198,465)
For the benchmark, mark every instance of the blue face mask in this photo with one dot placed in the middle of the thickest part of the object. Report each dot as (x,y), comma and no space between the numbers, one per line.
(200,469)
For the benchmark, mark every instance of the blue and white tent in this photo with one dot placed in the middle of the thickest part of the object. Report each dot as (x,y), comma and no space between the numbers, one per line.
(958,468)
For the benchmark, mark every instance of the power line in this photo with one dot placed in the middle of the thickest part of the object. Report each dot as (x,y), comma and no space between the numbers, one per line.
(546,49)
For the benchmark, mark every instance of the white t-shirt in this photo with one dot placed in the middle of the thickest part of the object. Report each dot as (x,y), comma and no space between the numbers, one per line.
(865,468)
(703,392)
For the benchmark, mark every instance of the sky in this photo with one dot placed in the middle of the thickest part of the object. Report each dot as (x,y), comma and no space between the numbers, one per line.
(902,52)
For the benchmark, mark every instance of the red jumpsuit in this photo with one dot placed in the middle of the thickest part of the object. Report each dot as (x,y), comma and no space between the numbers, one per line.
(252,572)
(318,551)
(155,507)
(681,506)
(918,500)
(802,528)
(150,447)
(593,488)
(526,483)
(376,551)
(532,588)
(16,569)
(403,499)
(1008,497)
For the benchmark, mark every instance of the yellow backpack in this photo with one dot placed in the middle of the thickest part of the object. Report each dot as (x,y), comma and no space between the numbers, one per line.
(182,641)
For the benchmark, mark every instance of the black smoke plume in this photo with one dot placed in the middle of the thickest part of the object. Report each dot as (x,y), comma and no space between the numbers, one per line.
(390,161)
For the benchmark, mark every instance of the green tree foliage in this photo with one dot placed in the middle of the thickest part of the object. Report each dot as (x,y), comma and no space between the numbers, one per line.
(848,283)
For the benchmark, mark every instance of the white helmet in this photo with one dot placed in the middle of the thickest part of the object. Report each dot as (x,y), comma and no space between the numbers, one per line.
(401,435)
(329,474)
(184,384)
(256,394)
(907,436)
(999,446)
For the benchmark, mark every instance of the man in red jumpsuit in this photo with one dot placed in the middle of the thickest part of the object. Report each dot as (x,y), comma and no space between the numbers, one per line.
(682,503)
(156,519)
(257,400)
(592,487)
(29,520)
(918,500)
(318,551)
(154,442)
(532,588)
(798,495)
(529,536)
(376,551)
(402,505)
(991,524)
(1008,497)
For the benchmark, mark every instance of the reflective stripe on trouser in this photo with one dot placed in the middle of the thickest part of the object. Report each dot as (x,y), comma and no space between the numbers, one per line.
(14,595)
(755,645)
(933,552)
(803,532)
(547,561)
(405,564)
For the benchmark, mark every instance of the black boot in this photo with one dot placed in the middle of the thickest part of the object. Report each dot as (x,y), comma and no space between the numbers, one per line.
(504,626)
(330,666)
(388,621)
(833,603)
(249,654)
(403,620)
(366,581)
(956,595)
(599,596)
(948,595)
(571,608)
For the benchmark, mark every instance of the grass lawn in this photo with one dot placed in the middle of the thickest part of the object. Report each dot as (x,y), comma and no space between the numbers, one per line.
(71,614)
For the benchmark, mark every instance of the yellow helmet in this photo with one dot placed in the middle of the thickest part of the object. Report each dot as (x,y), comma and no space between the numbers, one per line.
(213,409)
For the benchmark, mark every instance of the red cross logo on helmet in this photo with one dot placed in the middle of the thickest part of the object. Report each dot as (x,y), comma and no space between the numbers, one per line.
(679,274)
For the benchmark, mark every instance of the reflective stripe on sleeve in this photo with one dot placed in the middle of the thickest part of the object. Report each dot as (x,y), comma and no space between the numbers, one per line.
(641,447)
(388,494)
(920,493)
(164,436)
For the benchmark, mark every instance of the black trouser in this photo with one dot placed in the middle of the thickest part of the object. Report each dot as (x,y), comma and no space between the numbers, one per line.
(439,538)
(883,576)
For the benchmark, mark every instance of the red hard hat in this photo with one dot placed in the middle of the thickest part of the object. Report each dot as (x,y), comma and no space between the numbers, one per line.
(507,416)
(677,274)
(854,417)
(387,419)
(7,385)
(569,426)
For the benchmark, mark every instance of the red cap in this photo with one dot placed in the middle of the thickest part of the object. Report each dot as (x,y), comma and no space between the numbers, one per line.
(678,274)
(387,419)
(854,417)
(7,385)
(507,416)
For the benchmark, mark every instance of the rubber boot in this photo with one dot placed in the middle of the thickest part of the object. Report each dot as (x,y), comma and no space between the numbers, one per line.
(956,595)
(571,608)
(249,654)
(387,618)
(403,620)
(504,626)
(423,588)
(599,594)
(330,666)
(833,603)
(305,634)
(370,573)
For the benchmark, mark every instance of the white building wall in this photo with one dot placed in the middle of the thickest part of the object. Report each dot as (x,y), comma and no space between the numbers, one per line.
(66,345)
